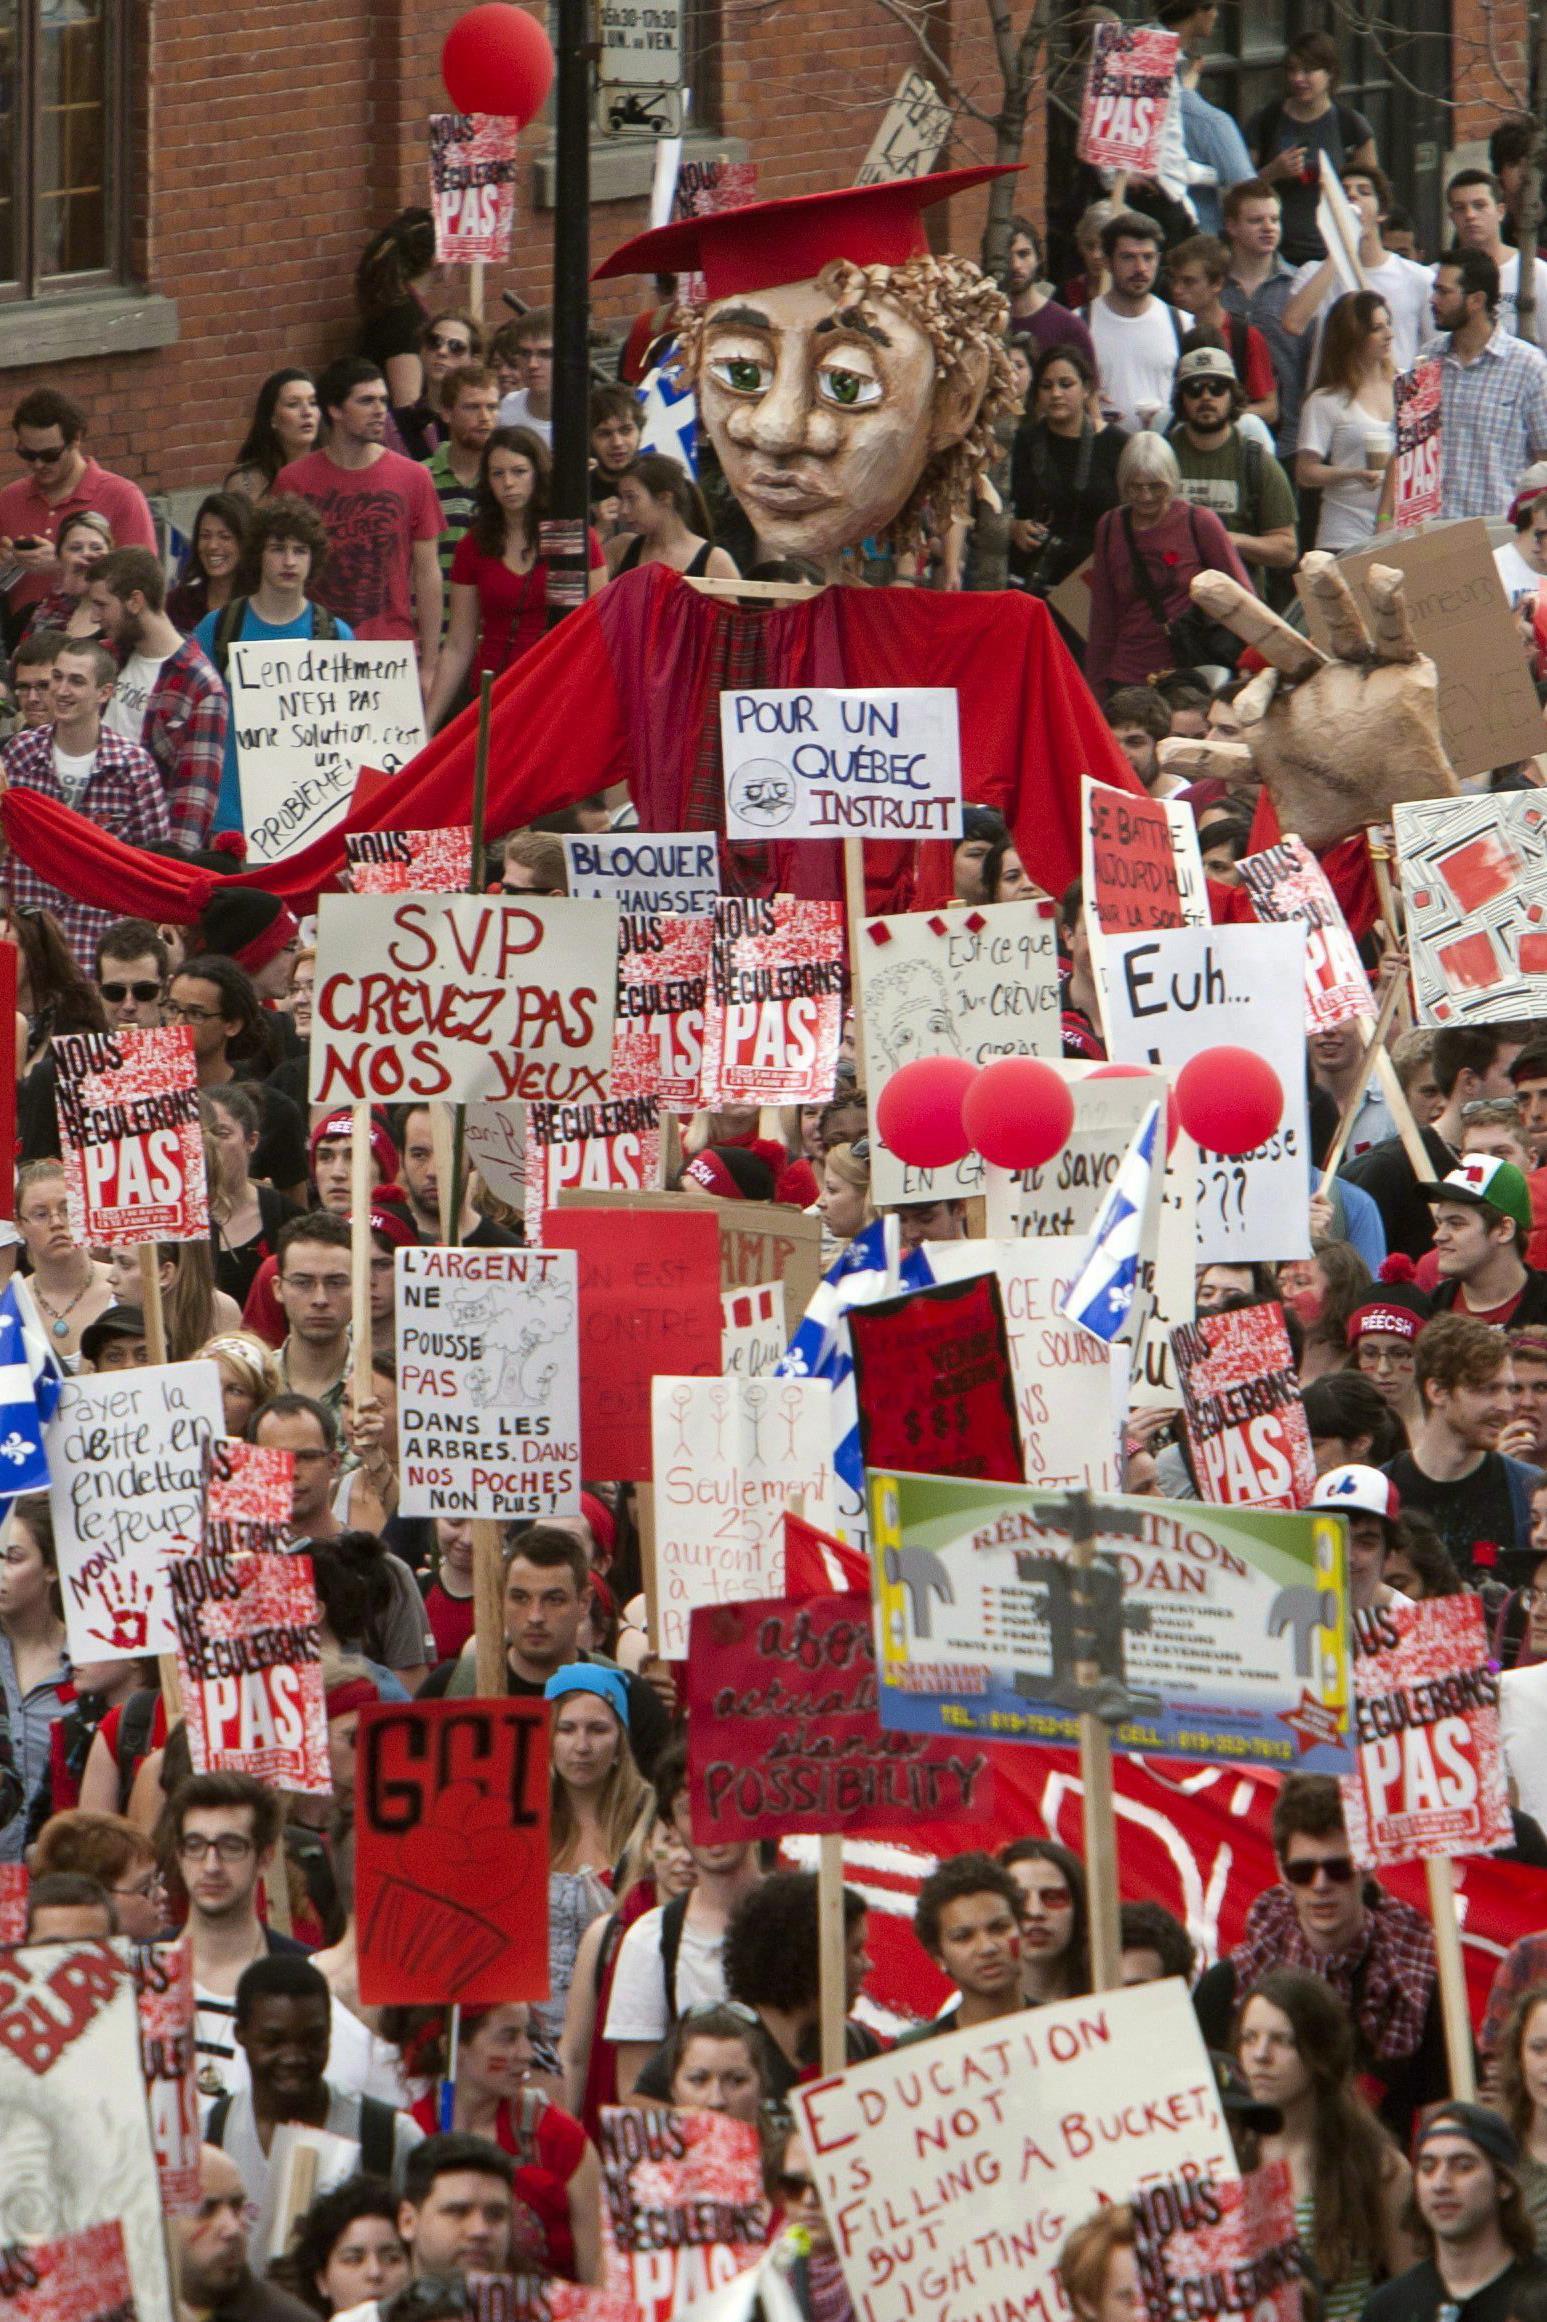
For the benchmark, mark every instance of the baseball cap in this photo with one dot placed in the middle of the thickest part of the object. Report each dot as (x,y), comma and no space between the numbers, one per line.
(1485,1182)
(1204,363)
(1356,1490)
(1488,2131)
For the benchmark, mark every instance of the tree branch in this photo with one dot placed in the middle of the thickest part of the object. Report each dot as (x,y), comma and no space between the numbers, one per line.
(955,94)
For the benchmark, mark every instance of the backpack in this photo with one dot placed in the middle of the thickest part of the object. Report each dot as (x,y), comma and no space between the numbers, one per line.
(378,2132)
(1174,312)
(1352,131)
(228,629)
(135,1727)
(673,1917)
(1252,471)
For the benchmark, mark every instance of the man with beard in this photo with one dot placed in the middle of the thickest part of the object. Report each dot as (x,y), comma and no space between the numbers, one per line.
(169,697)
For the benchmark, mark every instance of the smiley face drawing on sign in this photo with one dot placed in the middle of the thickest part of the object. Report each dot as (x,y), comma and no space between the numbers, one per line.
(762,791)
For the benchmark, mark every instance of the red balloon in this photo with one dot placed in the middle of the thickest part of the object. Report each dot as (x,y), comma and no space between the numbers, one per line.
(498,59)
(1230,1099)
(1131,1072)
(1019,1112)
(919,1111)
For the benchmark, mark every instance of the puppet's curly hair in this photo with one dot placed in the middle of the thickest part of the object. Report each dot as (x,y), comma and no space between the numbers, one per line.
(961,312)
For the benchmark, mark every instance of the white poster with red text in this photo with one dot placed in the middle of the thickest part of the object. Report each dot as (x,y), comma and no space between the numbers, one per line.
(472,186)
(1418,396)
(409,862)
(776,992)
(163,1980)
(683,2206)
(1245,1418)
(663,990)
(249,1652)
(1130,85)
(130,1136)
(1287,884)
(606,1148)
(1431,1764)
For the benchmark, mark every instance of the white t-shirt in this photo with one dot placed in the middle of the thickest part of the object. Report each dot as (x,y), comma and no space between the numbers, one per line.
(73,774)
(239,2138)
(1137,355)
(1520,579)
(1405,287)
(637,2009)
(514,413)
(137,681)
(358,2063)
(1339,431)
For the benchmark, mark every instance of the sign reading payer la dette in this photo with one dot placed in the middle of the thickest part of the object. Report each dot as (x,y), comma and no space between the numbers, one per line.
(831,762)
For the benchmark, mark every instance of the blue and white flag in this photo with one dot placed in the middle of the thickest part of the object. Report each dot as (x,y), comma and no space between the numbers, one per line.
(30,1383)
(874,1266)
(1100,1298)
(668,413)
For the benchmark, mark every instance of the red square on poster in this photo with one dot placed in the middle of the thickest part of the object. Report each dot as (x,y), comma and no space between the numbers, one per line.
(649,1302)
(1471,963)
(451,1852)
(1480,871)
(932,1378)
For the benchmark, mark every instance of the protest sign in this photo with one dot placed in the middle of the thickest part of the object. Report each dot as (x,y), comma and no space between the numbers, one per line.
(752,1332)
(759,1242)
(306,715)
(1430,1777)
(72,2097)
(1474,887)
(728,1456)
(1061,1374)
(1180,990)
(932,1379)
(1128,89)
(775,1012)
(1246,1425)
(648,1301)
(409,862)
(683,2207)
(1001,2137)
(913,128)
(856,762)
(1337,222)
(1153,1385)
(163,1982)
(663,990)
(249,1652)
(250,1498)
(784,1735)
(451,1852)
(128,1453)
(130,1136)
(1063,1196)
(1140,863)
(13,1902)
(1417,395)
(472,186)
(613,1147)
(1220,2250)
(675,875)
(488,1374)
(74,2277)
(1461,619)
(495,1141)
(1243,1659)
(1287,885)
(465,997)
(543,2298)
(980,984)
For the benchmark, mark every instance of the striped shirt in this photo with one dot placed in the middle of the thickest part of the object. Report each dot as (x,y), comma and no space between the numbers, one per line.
(1493,421)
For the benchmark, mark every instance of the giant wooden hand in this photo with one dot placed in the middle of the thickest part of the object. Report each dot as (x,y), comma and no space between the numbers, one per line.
(1338,739)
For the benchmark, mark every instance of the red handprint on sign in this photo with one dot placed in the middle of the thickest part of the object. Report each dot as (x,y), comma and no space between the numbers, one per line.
(127,1602)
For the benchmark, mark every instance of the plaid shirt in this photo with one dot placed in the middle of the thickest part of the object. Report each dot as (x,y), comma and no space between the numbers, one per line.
(125,795)
(185,732)
(1493,421)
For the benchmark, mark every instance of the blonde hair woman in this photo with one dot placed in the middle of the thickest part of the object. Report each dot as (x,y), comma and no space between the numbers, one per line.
(844,1199)
(249,1374)
(66,1288)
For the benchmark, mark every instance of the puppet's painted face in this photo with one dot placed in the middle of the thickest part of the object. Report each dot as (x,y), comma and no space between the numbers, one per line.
(822,417)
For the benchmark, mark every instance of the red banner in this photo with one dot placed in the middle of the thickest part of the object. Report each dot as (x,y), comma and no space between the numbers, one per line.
(649,1301)
(932,1378)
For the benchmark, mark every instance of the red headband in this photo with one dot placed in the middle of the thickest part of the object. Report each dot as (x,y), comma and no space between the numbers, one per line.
(353,1693)
(282,929)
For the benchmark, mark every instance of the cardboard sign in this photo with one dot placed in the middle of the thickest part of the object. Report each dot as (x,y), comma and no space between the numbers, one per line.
(648,1301)
(451,1852)
(495,1141)
(1184,989)
(1430,1777)
(73,2101)
(857,762)
(729,1455)
(1461,618)
(249,1652)
(1064,1195)
(784,1736)
(759,1242)
(1243,1660)
(913,128)
(251,1496)
(163,1982)
(488,1370)
(1141,866)
(306,715)
(409,862)
(663,990)
(1474,886)
(1128,89)
(607,1148)
(1418,396)
(980,984)
(775,1013)
(1287,885)
(462,996)
(932,1377)
(472,186)
(130,1136)
(1061,1375)
(683,2208)
(78,2277)
(1246,1425)
(1001,2137)
(752,1332)
(675,875)
(1221,2249)
(127,1456)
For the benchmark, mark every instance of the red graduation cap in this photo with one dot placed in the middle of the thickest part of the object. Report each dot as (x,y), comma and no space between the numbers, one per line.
(791,241)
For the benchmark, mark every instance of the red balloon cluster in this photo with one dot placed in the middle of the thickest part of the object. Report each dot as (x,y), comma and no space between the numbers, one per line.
(1229,1099)
(498,59)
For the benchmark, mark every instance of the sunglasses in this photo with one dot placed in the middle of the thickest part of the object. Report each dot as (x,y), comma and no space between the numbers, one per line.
(41,459)
(445,346)
(121,992)
(1338,1867)
(1205,387)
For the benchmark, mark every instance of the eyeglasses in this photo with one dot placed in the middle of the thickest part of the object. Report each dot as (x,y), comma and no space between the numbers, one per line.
(1385,1358)
(180,1008)
(1339,1869)
(144,1888)
(120,992)
(794,2187)
(42,459)
(444,346)
(228,1846)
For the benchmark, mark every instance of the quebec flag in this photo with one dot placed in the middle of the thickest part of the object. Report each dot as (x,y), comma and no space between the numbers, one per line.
(1101,1296)
(30,1384)
(873,1267)
(668,415)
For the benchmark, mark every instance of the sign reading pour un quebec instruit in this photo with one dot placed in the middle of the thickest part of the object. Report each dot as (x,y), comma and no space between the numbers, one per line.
(828,762)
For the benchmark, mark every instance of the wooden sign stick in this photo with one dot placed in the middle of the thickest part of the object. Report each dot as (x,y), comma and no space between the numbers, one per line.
(831,1950)
(1452,1976)
(149,1255)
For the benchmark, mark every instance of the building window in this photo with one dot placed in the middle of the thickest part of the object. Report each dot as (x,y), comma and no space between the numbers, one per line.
(63,207)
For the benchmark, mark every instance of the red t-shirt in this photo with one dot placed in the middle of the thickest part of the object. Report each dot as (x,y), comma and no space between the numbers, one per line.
(1260,381)
(547,2156)
(373,517)
(26,515)
(512,606)
(450,1618)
